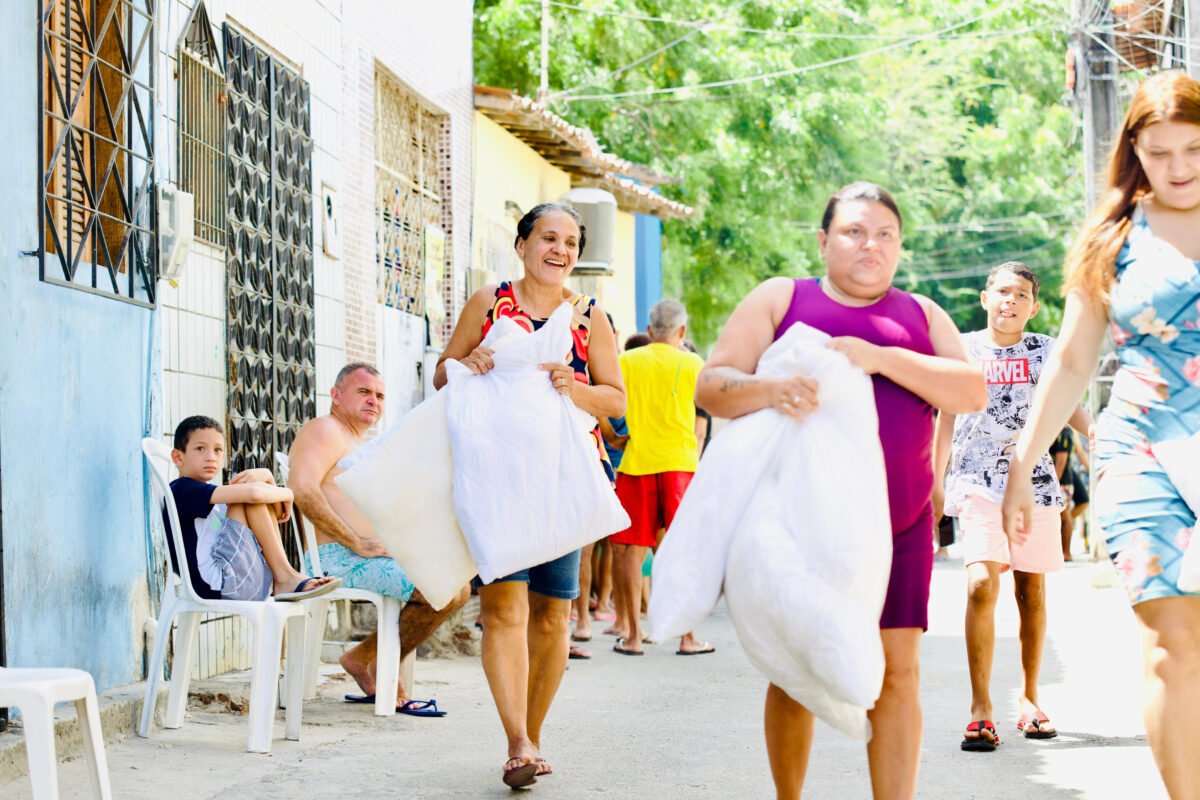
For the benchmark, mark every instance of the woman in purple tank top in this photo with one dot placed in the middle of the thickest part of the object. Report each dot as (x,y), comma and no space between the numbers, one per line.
(910,348)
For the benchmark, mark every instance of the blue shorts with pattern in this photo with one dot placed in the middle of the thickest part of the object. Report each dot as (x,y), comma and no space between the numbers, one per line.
(381,574)
(558,578)
(244,571)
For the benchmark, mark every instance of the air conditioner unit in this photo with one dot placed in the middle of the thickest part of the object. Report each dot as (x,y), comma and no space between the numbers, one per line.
(599,211)
(176,229)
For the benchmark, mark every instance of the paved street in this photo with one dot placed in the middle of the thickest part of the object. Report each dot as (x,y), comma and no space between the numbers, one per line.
(665,727)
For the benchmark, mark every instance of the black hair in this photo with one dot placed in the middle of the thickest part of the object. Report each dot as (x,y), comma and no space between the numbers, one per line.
(1018,268)
(860,190)
(525,226)
(637,340)
(197,423)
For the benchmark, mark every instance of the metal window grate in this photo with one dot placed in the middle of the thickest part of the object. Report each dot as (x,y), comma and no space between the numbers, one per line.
(95,146)
(202,102)
(269,255)
(408,190)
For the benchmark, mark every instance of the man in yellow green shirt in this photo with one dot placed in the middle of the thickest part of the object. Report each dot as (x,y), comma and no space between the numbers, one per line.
(659,460)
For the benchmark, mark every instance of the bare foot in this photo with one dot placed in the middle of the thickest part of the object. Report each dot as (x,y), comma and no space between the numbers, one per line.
(360,672)
(613,630)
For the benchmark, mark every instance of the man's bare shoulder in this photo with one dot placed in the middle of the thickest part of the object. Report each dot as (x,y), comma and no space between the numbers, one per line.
(324,435)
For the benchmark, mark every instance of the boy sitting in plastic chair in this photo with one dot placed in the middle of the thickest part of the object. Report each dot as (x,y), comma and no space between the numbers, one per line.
(231,533)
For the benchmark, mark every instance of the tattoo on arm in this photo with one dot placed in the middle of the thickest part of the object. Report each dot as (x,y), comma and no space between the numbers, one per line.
(729,384)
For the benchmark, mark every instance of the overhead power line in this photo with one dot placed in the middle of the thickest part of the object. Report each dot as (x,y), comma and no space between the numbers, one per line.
(699,28)
(793,70)
(709,26)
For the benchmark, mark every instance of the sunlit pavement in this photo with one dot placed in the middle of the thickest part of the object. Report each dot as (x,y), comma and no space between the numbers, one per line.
(665,726)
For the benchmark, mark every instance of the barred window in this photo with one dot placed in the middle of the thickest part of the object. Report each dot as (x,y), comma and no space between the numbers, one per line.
(96,60)
(409,194)
(202,101)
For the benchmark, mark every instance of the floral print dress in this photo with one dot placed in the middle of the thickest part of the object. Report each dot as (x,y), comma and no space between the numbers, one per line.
(1155,309)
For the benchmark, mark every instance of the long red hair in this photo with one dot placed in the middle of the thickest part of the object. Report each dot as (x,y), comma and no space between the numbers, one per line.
(1091,264)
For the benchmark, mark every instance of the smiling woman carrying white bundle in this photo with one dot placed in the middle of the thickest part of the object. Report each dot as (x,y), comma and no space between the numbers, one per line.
(525,615)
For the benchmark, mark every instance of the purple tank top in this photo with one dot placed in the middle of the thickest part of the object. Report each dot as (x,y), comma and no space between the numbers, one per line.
(905,420)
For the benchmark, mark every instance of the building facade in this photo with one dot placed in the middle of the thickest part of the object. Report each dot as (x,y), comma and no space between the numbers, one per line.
(525,155)
(327,147)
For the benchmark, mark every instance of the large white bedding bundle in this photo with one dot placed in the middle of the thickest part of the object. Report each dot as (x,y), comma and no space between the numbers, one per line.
(402,483)
(528,483)
(791,519)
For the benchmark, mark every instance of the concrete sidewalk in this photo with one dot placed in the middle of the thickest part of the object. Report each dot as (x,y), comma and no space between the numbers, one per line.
(669,727)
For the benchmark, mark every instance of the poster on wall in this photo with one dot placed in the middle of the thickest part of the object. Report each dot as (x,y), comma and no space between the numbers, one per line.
(435,261)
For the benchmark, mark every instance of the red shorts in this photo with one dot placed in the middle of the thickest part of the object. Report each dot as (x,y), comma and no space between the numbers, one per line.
(651,502)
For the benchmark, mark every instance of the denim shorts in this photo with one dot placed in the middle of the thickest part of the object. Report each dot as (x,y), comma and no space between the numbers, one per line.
(558,578)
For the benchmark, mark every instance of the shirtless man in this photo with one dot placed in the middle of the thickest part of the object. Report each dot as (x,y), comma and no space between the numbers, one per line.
(348,546)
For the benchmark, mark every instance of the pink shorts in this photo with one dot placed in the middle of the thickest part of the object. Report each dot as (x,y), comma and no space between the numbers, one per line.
(983,538)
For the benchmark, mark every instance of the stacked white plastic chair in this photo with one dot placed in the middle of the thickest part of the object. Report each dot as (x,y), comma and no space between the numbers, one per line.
(35,691)
(388,666)
(267,618)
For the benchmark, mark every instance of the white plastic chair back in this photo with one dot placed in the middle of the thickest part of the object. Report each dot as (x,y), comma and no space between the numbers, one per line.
(302,530)
(158,456)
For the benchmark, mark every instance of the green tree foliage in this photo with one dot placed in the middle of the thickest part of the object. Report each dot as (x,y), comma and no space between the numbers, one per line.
(954,105)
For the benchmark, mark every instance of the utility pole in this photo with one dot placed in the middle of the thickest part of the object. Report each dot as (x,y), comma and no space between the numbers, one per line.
(544,87)
(1191,20)
(1097,89)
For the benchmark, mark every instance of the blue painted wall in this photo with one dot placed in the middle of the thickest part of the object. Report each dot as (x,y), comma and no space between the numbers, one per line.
(648,264)
(72,409)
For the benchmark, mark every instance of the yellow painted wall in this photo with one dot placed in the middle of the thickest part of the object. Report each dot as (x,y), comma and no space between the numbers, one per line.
(508,169)
(619,291)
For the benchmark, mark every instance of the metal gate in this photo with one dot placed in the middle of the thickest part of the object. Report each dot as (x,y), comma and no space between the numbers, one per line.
(269,255)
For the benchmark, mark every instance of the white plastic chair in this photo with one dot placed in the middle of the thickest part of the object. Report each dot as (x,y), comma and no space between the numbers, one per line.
(266,617)
(388,666)
(35,691)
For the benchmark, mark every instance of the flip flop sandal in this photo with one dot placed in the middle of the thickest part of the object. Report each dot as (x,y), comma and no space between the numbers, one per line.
(577,638)
(420,708)
(302,593)
(520,776)
(579,653)
(705,649)
(617,648)
(979,744)
(1031,726)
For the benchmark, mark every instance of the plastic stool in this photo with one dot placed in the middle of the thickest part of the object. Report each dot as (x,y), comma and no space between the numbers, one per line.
(35,691)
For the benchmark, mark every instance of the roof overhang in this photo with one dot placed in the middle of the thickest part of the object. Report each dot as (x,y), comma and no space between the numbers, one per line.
(575,151)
